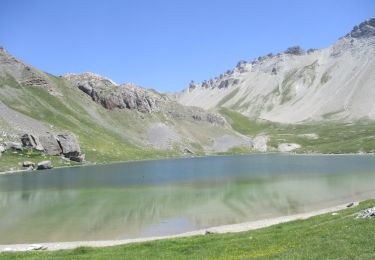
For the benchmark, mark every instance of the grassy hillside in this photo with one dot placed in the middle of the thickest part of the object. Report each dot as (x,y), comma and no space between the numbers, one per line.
(103,135)
(333,137)
(328,236)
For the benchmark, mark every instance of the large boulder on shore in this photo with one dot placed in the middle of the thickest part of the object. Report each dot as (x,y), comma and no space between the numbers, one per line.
(44,165)
(288,147)
(50,144)
(69,145)
(63,143)
(30,140)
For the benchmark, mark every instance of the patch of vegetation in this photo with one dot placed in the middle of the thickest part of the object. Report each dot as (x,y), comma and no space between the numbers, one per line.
(12,160)
(243,124)
(326,236)
(9,80)
(286,86)
(331,114)
(239,104)
(228,97)
(333,137)
(236,150)
(325,78)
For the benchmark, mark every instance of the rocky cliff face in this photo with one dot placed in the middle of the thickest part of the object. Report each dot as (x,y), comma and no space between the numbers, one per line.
(294,86)
(110,95)
(363,30)
(128,96)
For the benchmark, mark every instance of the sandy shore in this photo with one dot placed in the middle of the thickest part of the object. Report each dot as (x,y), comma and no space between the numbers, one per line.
(219,229)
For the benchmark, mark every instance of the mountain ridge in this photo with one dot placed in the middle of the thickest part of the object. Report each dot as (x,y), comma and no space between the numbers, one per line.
(267,85)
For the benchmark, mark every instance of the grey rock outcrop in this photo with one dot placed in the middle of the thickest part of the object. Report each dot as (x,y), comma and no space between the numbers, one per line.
(69,146)
(28,164)
(311,50)
(111,96)
(30,140)
(44,165)
(192,85)
(288,147)
(194,113)
(64,143)
(295,50)
(127,96)
(50,144)
(363,30)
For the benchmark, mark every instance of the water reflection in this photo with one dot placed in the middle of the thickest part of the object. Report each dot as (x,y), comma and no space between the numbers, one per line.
(174,196)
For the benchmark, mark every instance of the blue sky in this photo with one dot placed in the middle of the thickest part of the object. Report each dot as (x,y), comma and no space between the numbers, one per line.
(163,44)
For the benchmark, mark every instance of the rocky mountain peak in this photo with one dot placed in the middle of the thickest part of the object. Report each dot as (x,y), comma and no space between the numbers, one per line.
(365,29)
(89,76)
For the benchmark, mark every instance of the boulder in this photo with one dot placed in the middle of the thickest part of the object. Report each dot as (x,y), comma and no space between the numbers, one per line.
(187,150)
(285,147)
(2,148)
(50,144)
(30,140)
(14,146)
(69,146)
(367,213)
(79,158)
(36,247)
(28,164)
(44,165)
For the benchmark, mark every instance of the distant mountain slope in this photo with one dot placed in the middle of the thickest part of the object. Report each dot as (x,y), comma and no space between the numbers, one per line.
(337,82)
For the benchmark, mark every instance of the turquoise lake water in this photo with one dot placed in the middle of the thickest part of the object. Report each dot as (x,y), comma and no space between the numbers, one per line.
(164,197)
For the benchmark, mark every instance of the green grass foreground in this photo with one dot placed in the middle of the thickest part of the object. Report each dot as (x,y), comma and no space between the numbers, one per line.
(327,236)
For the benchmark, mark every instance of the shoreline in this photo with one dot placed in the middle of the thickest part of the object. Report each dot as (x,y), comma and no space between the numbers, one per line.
(190,157)
(231,228)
